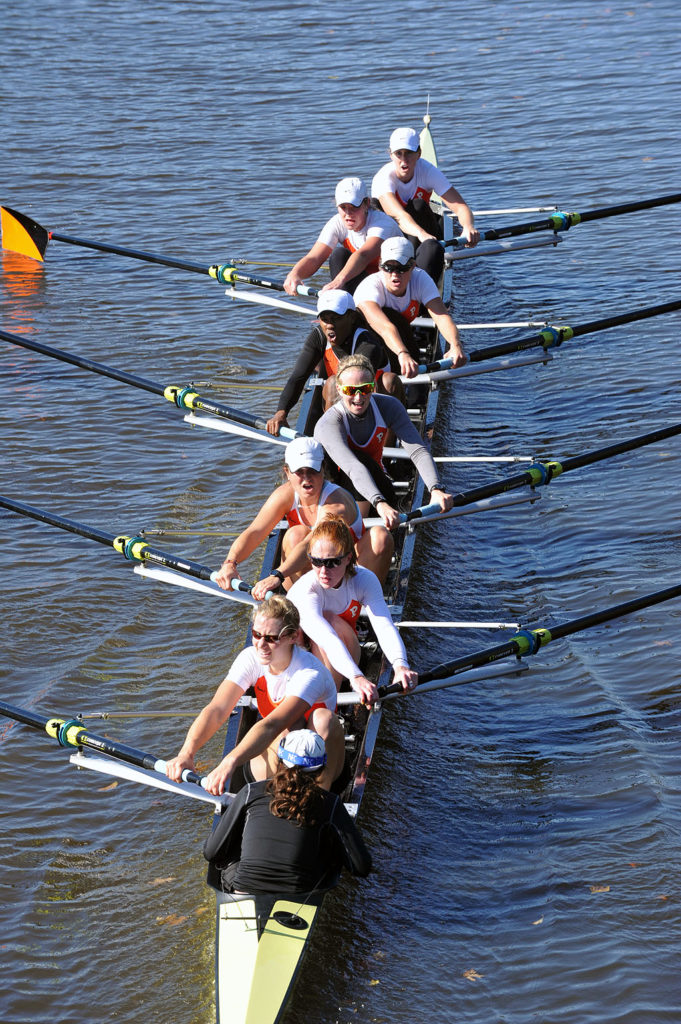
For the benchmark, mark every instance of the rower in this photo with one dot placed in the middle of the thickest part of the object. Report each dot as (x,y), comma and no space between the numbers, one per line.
(393,297)
(340,332)
(293,689)
(330,599)
(350,241)
(287,834)
(353,433)
(302,500)
(402,189)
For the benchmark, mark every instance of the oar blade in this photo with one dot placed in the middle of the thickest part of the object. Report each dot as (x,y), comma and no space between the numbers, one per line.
(22,234)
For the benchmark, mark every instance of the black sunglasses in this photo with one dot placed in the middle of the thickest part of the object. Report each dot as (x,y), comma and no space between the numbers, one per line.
(397,268)
(327,563)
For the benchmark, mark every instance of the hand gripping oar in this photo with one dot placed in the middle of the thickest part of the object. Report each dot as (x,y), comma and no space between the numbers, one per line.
(527,642)
(560,221)
(540,473)
(72,733)
(183,397)
(24,235)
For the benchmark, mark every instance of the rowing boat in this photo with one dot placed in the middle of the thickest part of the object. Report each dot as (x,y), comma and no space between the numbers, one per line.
(261,941)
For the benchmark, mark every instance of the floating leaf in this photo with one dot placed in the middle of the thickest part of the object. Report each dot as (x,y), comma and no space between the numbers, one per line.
(105,789)
(540,920)
(201,910)
(379,955)
(599,888)
(163,881)
(374,981)
(172,919)
(472,975)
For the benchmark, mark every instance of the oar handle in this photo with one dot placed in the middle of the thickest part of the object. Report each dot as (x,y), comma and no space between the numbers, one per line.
(419,513)
(187,775)
(246,588)
(439,364)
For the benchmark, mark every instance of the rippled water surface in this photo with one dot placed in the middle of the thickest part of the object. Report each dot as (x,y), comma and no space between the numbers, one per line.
(525,831)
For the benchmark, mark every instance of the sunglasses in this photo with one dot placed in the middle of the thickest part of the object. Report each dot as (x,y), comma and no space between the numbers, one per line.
(331,317)
(396,268)
(357,389)
(267,637)
(326,563)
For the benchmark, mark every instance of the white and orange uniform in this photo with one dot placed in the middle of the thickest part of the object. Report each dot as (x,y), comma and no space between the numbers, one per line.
(305,677)
(421,289)
(293,515)
(427,178)
(363,589)
(377,225)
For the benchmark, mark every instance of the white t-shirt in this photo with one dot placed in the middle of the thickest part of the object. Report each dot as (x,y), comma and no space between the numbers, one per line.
(426,179)
(305,677)
(377,225)
(421,289)
(312,600)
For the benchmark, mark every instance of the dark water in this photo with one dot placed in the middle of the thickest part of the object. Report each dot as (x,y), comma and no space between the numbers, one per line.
(526,831)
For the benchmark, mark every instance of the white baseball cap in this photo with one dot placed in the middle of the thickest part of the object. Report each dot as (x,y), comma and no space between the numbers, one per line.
(304,451)
(404,138)
(397,248)
(351,190)
(303,749)
(335,300)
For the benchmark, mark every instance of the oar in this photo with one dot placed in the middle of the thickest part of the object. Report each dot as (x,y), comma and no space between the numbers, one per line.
(183,397)
(71,732)
(26,236)
(134,549)
(527,642)
(553,336)
(539,473)
(560,221)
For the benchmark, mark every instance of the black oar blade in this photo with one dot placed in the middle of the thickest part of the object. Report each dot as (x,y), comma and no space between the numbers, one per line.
(22,234)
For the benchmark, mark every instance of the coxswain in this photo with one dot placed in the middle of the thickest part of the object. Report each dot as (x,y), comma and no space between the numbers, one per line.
(302,500)
(392,298)
(330,598)
(350,241)
(340,332)
(287,834)
(402,189)
(293,690)
(353,433)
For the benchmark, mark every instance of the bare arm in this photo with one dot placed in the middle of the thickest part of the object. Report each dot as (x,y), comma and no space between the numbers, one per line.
(406,223)
(204,726)
(269,515)
(306,266)
(380,323)
(359,261)
(257,740)
(448,329)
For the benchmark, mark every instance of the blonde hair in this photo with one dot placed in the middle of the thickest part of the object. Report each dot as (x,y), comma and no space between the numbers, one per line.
(277,607)
(337,531)
(355,361)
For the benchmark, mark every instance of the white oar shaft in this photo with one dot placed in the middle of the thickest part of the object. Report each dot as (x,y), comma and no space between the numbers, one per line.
(457,625)
(425,321)
(474,675)
(474,369)
(155,779)
(213,423)
(400,453)
(269,300)
(177,580)
(500,248)
(484,505)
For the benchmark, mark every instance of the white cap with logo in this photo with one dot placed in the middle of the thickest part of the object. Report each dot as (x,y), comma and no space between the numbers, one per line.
(404,138)
(335,300)
(397,248)
(351,190)
(303,749)
(304,452)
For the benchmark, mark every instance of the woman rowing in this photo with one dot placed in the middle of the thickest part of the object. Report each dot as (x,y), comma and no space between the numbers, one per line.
(353,432)
(303,499)
(287,834)
(330,598)
(292,688)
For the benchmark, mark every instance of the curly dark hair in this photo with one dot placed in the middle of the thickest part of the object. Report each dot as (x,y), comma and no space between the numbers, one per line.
(295,795)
